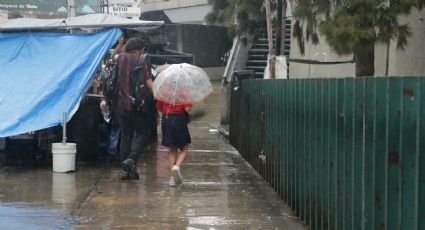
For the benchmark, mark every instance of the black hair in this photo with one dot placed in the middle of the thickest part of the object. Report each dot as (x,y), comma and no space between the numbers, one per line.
(134,44)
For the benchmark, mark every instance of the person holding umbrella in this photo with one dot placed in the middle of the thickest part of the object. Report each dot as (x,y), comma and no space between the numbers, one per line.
(175,136)
(176,88)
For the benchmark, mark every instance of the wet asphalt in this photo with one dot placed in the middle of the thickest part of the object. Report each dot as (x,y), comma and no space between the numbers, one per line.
(219,191)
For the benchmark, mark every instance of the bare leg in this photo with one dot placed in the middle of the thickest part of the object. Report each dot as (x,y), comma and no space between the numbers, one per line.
(182,155)
(172,156)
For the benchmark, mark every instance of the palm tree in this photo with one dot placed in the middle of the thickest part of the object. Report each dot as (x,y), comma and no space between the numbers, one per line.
(249,14)
(353,26)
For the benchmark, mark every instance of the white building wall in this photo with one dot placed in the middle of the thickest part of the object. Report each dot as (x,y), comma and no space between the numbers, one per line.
(3,15)
(152,5)
(410,62)
(320,52)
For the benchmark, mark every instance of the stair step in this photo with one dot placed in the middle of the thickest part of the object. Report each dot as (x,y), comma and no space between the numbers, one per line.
(255,68)
(260,46)
(257,62)
(257,51)
(256,65)
(259,74)
(264,35)
(257,57)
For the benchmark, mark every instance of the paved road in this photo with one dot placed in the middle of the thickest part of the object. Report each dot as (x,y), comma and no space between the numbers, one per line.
(220,191)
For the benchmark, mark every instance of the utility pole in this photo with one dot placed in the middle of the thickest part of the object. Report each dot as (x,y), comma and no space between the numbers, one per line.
(270,39)
(71,7)
(71,13)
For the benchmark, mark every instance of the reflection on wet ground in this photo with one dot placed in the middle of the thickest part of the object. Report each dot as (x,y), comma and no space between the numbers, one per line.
(220,191)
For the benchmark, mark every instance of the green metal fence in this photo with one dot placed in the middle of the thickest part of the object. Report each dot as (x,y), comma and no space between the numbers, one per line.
(343,153)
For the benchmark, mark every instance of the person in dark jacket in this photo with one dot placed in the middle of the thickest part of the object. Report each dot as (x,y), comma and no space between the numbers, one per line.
(134,99)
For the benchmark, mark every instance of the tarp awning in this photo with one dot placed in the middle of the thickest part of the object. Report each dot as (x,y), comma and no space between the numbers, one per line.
(44,74)
(82,22)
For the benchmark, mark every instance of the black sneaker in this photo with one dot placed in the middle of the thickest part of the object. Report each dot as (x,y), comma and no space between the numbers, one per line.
(130,165)
(124,174)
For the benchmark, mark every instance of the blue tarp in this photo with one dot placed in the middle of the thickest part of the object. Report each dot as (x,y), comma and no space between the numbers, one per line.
(45,74)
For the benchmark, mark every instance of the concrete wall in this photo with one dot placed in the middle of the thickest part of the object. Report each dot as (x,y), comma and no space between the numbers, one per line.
(208,44)
(237,61)
(410,62)
(321,52)
(215,73)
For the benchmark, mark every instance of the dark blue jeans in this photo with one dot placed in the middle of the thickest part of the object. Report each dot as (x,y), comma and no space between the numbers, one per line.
(113,139)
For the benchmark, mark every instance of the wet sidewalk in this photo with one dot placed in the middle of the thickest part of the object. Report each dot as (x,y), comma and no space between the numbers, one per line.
(220,191)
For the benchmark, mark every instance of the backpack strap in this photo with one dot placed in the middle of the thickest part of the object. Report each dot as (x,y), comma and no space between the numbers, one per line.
(142,61)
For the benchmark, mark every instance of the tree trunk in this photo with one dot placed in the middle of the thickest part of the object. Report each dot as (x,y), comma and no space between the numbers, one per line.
(365,58)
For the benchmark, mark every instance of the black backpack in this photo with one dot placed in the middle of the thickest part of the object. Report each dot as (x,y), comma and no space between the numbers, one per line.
(143,98)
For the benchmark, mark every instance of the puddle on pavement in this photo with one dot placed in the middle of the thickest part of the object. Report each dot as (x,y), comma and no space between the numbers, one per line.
(215,221)
(63,188)
(15,216)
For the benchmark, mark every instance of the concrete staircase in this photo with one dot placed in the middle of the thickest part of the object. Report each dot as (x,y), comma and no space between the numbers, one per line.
(257,55)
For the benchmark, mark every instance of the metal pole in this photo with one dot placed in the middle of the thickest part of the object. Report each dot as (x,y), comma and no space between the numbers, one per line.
(64,129)
(387,60)
(279,27)
(71,6)
(270,38)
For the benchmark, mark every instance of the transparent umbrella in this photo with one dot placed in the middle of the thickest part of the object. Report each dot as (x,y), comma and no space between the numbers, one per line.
(182,83)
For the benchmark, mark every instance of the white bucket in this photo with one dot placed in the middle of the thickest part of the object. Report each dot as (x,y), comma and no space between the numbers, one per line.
(64,157)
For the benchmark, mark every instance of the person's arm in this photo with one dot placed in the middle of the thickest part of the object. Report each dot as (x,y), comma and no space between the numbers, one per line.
(149,83)
(188,107)
(104,106)
(118,48)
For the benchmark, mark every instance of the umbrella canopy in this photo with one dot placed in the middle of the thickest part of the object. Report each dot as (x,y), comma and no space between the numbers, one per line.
(181,84)
(161,68)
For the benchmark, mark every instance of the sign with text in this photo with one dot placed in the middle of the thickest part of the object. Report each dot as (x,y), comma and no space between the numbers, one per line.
(7,6)
(126,11)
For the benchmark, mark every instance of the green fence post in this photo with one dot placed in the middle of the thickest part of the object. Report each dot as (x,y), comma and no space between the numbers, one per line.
(358,151)
(340,211)
(369,155)
(394,116)
(421,156)
(333,119)
(409,153)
